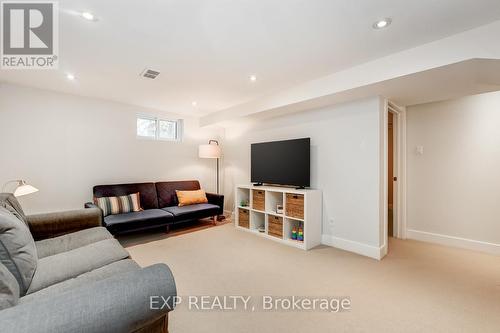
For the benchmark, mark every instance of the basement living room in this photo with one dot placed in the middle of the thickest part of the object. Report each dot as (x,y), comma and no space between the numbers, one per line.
(249,166)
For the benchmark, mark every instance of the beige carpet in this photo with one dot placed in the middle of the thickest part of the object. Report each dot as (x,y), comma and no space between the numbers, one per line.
(418,287)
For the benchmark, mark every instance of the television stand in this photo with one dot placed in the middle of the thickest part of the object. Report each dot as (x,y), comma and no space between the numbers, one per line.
(282,212)
(300,188)
(258,184)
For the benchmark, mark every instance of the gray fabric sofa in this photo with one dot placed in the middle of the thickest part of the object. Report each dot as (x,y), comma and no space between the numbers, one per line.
(64,272)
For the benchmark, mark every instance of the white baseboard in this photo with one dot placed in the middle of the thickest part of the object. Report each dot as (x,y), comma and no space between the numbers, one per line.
(463,243)
(356,247)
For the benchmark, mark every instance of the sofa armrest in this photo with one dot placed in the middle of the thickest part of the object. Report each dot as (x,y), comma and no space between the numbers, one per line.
(121,303)
(216,199)
(90,205)
(93,205)
(50,225)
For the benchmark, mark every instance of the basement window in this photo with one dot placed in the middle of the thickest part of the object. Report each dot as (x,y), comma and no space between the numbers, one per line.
(153,128)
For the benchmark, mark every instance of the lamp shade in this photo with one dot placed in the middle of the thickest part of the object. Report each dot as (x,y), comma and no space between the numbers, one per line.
(23,189)
(209,151)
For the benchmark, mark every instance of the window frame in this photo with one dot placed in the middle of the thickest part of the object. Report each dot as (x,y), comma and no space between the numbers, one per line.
(179,124)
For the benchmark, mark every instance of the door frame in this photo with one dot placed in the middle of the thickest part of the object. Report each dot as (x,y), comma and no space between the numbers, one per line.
(399,170)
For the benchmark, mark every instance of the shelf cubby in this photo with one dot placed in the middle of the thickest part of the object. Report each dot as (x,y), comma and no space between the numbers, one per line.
(243,218)
(257,220)
(243,197)
(272,200)
(288,226)
(274,226)
(259,200)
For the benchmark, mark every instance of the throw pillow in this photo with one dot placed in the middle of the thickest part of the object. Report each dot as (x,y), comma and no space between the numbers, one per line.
(17,249)
(118,205)
(186,198)
(9,202)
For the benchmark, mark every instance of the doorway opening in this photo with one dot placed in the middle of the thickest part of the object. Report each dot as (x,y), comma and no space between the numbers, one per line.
(394,185)
(391,177)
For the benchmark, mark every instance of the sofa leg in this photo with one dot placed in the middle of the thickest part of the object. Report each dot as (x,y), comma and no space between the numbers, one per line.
(215,219)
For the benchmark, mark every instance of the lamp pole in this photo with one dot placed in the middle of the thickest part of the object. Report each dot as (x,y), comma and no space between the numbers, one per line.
(217,166)
(217,176)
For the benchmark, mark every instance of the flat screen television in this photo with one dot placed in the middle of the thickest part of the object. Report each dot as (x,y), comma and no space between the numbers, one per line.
(281,162)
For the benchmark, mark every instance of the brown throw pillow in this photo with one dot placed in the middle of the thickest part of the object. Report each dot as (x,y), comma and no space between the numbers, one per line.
(191,197)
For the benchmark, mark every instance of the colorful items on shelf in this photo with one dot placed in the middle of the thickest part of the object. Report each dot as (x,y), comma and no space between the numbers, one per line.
(300,235)
(244,203)
(297,234)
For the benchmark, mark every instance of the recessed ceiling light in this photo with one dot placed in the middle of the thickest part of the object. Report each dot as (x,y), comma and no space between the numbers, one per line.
(194,103)
(253,78)
(382,23)
(70,76)
(88,16)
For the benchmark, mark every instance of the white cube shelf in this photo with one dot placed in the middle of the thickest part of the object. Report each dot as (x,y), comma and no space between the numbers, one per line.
(310,222)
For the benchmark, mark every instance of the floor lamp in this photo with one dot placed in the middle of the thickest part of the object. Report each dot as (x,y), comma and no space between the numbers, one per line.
(212,150)
(21,187)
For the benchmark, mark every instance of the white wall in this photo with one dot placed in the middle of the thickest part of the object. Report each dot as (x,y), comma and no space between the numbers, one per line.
(65,144)
(454,187)
(345,165)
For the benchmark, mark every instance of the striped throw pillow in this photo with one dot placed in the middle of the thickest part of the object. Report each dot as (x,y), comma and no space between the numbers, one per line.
(118,205)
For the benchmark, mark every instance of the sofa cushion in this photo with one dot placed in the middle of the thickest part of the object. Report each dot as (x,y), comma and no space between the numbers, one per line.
(50,246)
(9,201)
(166,191)
(9,288)
(113,269)
(192,212)
(118,205)
(137,220)
(147,192)
(70,264)
(17,249)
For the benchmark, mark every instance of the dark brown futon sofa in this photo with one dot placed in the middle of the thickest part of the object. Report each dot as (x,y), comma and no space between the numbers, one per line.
(159,203)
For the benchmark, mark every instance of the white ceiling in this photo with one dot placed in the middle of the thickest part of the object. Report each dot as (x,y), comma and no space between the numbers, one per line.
(475,76)
(206,49)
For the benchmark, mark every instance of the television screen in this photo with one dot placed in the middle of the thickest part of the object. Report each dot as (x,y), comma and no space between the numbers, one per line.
(281,162)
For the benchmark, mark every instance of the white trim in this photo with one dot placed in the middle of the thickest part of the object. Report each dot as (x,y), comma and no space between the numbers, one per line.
(399,114)
(463,243)
(402,175)
(353,246)
(383,196)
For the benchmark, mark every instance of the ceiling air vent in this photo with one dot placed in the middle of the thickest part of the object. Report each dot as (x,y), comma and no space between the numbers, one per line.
(150,74)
